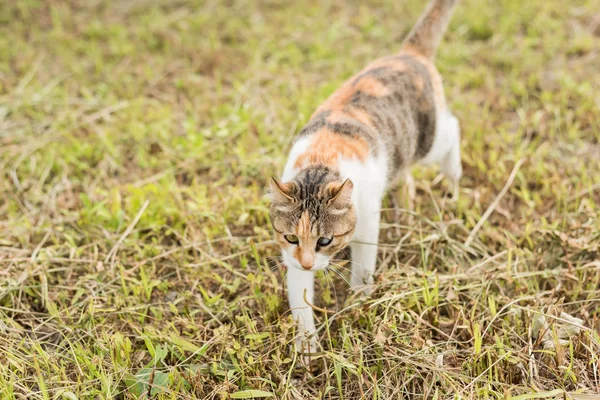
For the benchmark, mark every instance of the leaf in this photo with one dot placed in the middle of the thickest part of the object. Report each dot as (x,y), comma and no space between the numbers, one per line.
(139,383)
(251,394)
(257,336)
(160,382)
(149,346)
(69,396)
(343,362)
(539,395)
(477,339)
(160,353)
(186,345)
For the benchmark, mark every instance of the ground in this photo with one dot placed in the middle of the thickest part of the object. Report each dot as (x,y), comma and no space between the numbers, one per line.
(136,257)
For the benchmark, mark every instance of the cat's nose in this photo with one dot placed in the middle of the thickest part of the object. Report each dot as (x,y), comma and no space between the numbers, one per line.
(306,267)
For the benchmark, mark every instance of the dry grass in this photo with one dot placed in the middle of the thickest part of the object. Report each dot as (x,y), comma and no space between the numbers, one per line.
(135,250)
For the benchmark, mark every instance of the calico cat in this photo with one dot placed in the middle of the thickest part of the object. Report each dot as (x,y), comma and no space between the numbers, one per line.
(383,120)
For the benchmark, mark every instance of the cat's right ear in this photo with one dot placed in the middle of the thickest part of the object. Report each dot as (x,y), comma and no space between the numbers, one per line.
(341,193)
(281,192)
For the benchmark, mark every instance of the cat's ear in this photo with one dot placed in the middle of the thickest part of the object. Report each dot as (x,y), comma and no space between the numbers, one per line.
(281,192)
(341,193)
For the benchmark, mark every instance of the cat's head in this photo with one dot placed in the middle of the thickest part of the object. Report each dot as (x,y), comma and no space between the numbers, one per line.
(312,221)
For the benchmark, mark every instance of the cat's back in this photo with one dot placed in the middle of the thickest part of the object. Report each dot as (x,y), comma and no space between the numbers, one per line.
(387,109)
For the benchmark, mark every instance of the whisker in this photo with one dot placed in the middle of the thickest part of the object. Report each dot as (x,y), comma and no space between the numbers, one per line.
(276,267)
(273,258)
(278,264)
(343,260)
(351,262)
(341,276)
(345,252)
(346,269)
(332,283)
(285,275)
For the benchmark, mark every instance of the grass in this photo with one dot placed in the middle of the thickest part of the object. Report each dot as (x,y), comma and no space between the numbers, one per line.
(135,248)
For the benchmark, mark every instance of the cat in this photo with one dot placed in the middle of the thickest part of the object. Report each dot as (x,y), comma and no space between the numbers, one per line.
(357,144)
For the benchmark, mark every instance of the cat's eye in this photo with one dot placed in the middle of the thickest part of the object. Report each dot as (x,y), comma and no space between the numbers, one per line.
(293,239)
(324,241)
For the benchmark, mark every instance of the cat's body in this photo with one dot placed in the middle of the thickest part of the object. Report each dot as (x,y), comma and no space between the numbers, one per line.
(360,142)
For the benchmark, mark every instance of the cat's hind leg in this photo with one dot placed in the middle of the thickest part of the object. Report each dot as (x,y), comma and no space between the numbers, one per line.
(410,191)
(445,150)
(450,164)
(364,247)
(404,200)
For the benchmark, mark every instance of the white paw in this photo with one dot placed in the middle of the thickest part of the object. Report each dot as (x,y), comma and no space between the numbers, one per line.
(452,169)
(455,191)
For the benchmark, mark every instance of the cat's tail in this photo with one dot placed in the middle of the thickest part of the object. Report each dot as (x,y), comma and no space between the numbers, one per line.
(425,36)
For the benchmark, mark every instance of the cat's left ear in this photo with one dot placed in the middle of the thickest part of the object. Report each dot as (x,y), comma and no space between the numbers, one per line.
(281,192)
(341,193)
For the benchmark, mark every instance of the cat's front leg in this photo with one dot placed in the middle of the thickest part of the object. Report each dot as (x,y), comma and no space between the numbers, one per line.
(300,290)
(364,247)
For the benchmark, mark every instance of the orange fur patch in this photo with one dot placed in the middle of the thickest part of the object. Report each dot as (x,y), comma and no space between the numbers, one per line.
(305,254)
(303,227)
(337,116)
(372,87)
(341,97)
(350,115)
(328,147)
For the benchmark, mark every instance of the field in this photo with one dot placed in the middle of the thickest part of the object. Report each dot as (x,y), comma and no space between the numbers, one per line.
(136,256)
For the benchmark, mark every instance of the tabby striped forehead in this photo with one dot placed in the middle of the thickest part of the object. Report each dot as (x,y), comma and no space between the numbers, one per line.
(311,180)
(310,194)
